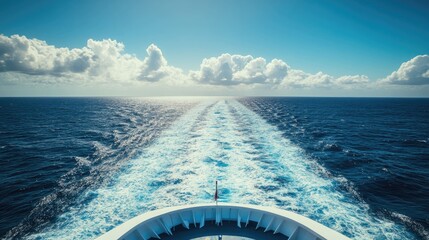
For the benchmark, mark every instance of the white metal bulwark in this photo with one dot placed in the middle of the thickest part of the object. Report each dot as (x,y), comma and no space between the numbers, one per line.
(153,224)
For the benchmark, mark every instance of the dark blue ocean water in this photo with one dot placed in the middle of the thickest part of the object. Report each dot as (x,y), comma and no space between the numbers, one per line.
(380,145)
(73,168)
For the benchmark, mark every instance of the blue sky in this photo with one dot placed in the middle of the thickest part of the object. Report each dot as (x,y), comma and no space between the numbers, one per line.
(371,38)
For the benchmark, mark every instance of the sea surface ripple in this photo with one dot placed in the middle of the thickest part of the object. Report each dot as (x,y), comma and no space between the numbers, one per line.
(170,152)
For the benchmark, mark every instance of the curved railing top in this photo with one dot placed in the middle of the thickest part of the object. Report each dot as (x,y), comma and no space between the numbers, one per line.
(155,223)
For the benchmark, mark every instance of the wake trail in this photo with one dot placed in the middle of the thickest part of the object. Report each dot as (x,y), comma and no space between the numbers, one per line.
(221,140)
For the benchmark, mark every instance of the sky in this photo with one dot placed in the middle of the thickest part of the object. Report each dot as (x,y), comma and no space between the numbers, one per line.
(224,47)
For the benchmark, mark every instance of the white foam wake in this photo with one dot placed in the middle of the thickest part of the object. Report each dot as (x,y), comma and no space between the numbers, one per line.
(221,140)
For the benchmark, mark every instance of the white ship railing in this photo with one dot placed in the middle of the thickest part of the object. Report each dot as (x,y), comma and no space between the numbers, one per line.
(163,221)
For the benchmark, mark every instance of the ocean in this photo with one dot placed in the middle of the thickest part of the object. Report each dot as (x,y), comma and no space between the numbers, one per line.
(74,168)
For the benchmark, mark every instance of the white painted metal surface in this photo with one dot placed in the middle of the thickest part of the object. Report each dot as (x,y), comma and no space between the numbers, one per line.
(153,224)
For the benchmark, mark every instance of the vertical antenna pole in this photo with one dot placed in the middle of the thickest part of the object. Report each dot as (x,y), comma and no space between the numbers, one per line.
(216,196)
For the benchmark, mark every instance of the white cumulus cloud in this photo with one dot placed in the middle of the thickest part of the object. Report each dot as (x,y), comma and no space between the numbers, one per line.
(155,67)
(33,56)
(412,72)
(228,69)
(298,78)
(103,60)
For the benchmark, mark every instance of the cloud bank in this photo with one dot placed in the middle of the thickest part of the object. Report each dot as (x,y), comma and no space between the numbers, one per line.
(103,60)
(32,60)
(230,69)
